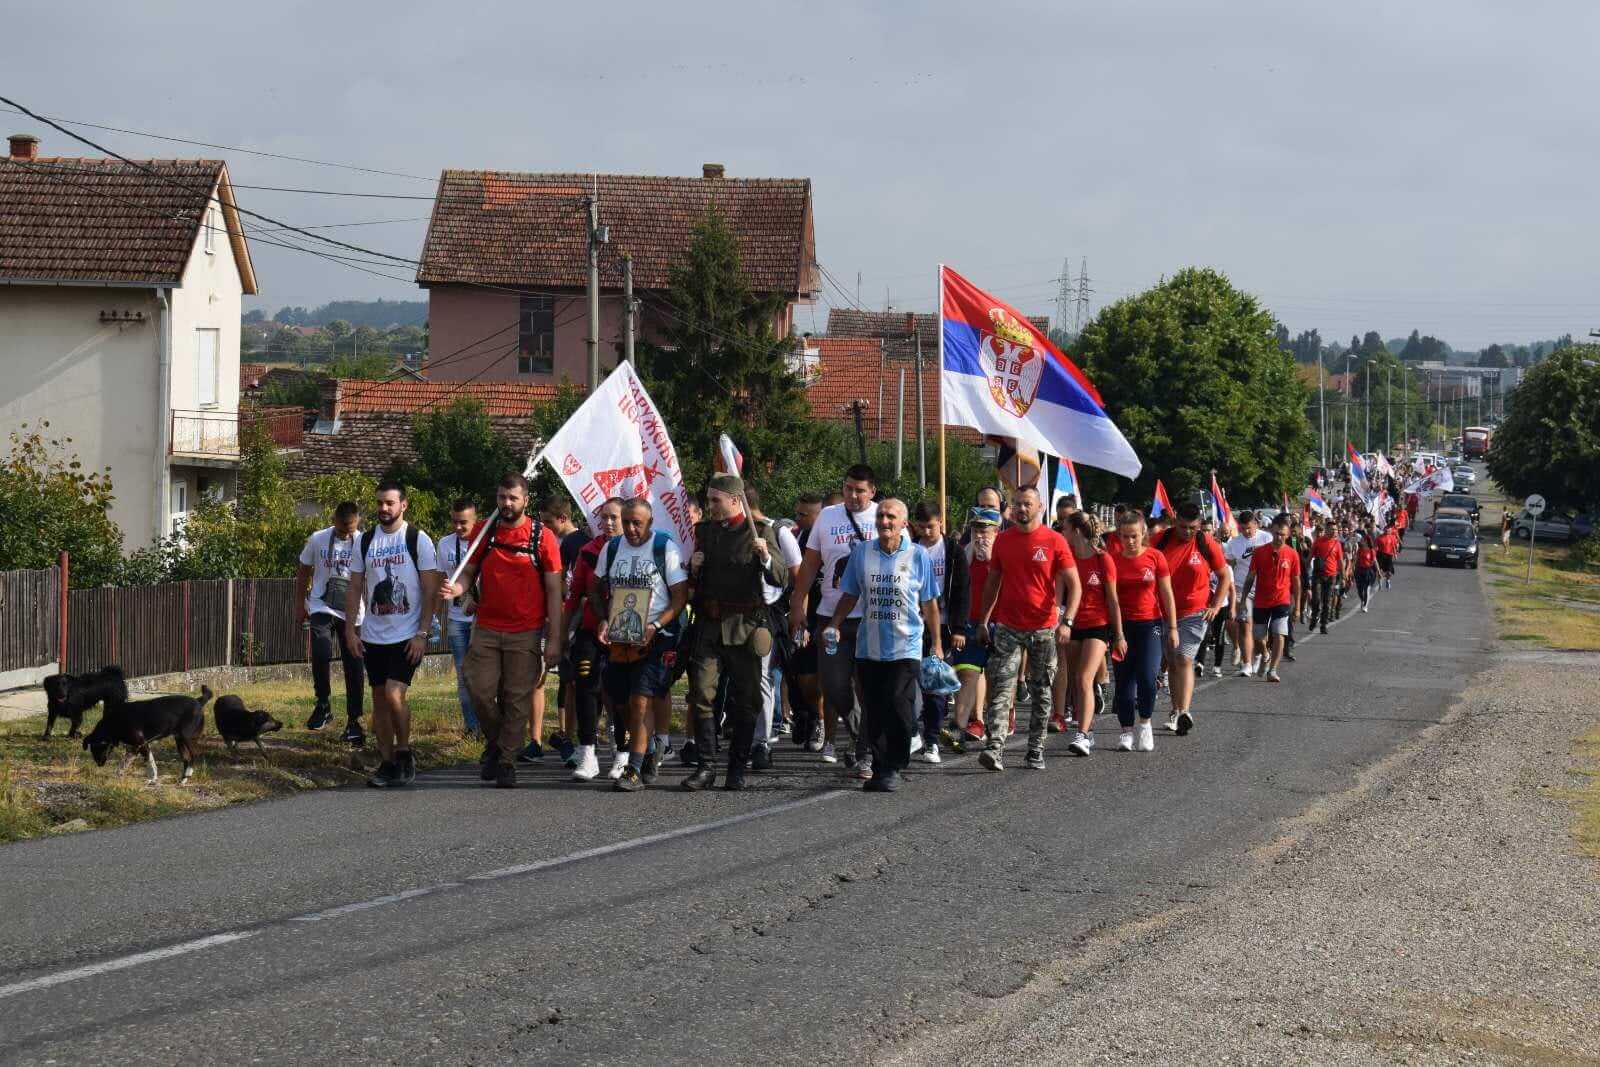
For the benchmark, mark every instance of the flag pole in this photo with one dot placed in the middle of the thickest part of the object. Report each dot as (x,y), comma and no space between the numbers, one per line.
(944,512)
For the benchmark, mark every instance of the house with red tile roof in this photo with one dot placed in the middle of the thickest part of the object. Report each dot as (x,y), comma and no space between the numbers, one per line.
(120,290)
(505,262)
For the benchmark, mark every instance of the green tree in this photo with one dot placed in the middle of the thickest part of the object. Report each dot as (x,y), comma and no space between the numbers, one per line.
(337,331)
(1550,441)
(459,453)
(722,368)
(1493,356)
(49,504)
(1192,373)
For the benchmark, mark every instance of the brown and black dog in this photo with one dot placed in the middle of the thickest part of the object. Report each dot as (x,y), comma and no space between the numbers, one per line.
(236,723)
(137,723)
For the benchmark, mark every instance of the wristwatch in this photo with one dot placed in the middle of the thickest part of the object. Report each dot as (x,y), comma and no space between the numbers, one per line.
(1067,623)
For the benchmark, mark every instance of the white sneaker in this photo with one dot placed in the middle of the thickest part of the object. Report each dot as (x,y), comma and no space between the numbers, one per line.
(1125,741)
(1172,723)
(1238,658)
(1081,744)
(1147,737)
(1247,672)
(588,767)
(828,755)
(619,765)
(929,754)
(1272,675)
(1365,608)
(1216,672)
(916,743)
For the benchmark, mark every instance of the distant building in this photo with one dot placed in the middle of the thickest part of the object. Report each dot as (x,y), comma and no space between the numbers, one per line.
(505,262)
(120,290)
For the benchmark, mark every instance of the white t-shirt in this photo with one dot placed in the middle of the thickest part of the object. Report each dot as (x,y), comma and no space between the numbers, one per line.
(833,537)
(451,550)
(633,567)
(789,552)
(393,586)
(1237,552)
(329,557)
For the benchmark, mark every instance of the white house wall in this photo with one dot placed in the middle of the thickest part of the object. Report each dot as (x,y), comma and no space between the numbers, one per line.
(94,382)
(209,298)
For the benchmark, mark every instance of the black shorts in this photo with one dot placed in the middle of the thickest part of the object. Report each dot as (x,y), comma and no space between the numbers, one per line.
(1094,633)
(647,677)
(387,663)
(1385,563)
(1273,620)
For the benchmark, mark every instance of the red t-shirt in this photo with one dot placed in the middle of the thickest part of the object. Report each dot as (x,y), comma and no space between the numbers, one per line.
(1366,557)
(1402,518)
(510,589)
(1093,572)
(583,580)
(1191,570)
(1277,572)
(1137,584)
(1330,554)
(1028,564)
(1387,542)
(978,571)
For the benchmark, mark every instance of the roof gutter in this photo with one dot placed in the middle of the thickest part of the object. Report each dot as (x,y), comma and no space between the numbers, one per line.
(160,470)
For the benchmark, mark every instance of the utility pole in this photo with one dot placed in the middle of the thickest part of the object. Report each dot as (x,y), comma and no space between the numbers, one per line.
(597,237)
(1349,388)
(1388,409)
(1081,312)
(900,428)
(628,309)
(1405,406)
(1322,414)
(854,407)
(1065,297)
(1366,396)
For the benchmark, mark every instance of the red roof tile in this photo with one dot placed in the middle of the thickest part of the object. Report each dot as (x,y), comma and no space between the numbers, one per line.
(851,368)
(374,441)
(849,322)
(358,395)
(528,230)
(102,220)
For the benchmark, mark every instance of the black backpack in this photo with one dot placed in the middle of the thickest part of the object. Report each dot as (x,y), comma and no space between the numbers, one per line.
(411,544)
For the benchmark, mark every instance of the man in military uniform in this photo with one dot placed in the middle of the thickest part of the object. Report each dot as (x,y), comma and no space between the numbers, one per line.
(733,557)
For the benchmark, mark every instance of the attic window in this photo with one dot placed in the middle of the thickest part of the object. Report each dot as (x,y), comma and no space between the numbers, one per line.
(211,230)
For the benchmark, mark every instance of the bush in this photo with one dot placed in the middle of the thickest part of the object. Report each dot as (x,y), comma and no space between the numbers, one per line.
(49,505)
(1587,551)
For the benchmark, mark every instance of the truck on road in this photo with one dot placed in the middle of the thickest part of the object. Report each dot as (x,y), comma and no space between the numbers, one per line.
(1475,441)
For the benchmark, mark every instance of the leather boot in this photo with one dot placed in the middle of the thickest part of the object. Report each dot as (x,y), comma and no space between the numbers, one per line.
(704,777)
(735,779)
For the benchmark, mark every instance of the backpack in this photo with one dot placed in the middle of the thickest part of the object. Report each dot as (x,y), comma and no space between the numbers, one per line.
(411,544)
(658,552)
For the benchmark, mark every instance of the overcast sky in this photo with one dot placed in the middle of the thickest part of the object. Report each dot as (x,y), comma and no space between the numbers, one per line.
(1426,165)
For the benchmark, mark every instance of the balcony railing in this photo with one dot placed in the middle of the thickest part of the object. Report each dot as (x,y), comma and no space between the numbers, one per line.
(217,434)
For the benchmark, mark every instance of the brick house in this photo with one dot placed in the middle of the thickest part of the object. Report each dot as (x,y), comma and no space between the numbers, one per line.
(505,262)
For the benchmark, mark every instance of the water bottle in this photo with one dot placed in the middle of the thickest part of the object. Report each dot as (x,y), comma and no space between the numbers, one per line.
(830,640)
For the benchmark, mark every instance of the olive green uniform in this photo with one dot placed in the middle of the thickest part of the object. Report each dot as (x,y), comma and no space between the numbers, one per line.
(732,632)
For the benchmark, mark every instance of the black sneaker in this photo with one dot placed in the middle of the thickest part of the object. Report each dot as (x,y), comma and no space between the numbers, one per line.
(689,754)
(630,782)
(407,764)
(386,775)
(887,782)
(353,734)
(651,769)
(319,717)
(505,776)
(567,750)
(532,752)
(761,758)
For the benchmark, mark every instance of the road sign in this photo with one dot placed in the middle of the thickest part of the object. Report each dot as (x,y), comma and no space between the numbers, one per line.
(1534,505)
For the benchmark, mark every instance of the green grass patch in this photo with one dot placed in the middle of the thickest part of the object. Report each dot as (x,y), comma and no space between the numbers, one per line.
(53,786)
(1558,606)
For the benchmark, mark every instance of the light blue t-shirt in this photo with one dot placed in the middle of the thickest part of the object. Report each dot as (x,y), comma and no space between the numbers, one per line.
(892,587)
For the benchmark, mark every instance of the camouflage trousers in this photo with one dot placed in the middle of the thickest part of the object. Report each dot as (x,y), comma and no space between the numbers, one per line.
(1006,649)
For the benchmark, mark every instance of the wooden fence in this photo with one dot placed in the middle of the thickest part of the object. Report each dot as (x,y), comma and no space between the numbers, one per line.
(147,629)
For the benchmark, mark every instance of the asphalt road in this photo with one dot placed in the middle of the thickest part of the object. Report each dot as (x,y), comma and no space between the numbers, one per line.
(359,925)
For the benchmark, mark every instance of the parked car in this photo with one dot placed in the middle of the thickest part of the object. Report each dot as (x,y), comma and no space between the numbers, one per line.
(1465,501)
(1453,541)
(1554,526)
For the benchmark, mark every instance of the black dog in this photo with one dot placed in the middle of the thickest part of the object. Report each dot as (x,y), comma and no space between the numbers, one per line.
(70,695)
(136,723)
(237,723)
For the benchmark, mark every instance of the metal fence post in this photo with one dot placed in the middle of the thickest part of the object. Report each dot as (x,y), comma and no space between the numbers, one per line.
(61,592)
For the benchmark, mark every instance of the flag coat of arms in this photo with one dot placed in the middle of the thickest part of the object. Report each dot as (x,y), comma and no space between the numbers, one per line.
(1000,375)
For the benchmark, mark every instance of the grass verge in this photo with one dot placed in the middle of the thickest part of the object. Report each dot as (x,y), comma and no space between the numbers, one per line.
(54,787)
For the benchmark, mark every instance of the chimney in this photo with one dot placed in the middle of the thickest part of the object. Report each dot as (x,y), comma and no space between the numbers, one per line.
(328,412)
(24,146)
(707,170)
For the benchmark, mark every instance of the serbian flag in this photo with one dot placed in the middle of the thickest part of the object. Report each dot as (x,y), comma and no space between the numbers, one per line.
(1357,468)
(1219,504)
(729,460)
(1000,375)
(1315,502)
(1065,483)
(1161,505)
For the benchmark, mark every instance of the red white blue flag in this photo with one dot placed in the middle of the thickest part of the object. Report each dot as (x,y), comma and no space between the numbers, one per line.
(1002,376)
(1161,505)
(1219,505)
(1315,502)
(1358,469)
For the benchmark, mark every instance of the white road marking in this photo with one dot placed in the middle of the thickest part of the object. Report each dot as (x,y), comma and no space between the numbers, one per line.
(122,963)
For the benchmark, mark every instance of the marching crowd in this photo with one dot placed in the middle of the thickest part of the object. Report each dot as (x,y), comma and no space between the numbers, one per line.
(861,629)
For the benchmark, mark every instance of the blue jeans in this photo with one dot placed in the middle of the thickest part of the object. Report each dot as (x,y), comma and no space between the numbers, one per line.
(1137,671)
(459,635)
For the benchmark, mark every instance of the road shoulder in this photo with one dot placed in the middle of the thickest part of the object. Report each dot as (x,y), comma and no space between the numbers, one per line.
(1436,911)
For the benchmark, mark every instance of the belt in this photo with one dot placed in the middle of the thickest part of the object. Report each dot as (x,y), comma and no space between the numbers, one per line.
(720,609)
